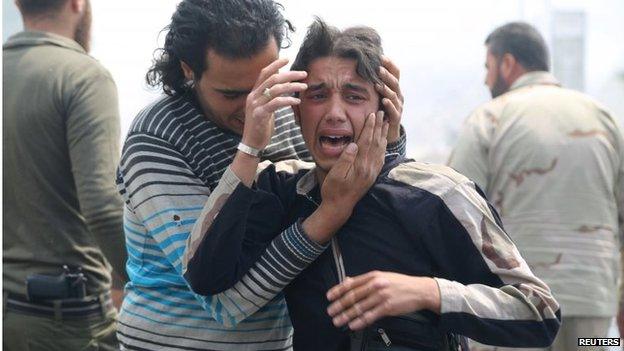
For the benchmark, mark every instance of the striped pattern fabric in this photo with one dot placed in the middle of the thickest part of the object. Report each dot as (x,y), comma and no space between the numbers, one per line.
(417,219)
(172,158)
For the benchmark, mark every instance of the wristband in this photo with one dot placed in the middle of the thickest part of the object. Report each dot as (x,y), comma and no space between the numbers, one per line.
(252,151)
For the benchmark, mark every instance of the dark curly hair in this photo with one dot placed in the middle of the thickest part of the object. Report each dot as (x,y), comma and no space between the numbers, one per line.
(362,44)
(232,28)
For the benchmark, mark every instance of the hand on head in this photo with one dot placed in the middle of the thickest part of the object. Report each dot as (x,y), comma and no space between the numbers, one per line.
(272,91)
(391,96)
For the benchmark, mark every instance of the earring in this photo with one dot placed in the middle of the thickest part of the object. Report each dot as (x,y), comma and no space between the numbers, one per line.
(190,83)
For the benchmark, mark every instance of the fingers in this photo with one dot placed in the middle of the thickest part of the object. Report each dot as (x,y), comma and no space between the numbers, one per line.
(369,317)
(358,309)
(378,127)
(279,78)
(390,66)
(343,166)
(349,283)
(366,135)
(270,70)
(350,298)
(389,86)
(357,300)
(288,88)
(393,112)
(384,134)
(390,91)
(283,88)
(279,102)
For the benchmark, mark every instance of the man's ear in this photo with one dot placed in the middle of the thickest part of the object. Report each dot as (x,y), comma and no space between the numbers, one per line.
(188,71)
(507,66)
(297,114)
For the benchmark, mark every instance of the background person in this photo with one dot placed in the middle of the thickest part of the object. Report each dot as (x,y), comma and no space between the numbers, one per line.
(551,160)
(60,205)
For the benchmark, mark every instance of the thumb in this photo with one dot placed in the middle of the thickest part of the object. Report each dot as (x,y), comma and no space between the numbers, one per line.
(343,165)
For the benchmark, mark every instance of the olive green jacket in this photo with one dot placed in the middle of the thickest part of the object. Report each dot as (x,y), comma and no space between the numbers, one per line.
(60,148)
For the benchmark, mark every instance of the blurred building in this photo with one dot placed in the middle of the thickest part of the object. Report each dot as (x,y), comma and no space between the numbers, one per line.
(568,48)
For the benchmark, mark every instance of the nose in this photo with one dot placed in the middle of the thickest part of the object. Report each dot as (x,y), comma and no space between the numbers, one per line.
(336,111)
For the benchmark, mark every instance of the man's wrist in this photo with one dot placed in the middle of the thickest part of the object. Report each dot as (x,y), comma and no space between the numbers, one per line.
(249,150)
(323,223)
(394,134)
(428,292)
(244,167)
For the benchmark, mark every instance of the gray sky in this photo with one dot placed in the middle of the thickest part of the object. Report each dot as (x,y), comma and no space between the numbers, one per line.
(437,44)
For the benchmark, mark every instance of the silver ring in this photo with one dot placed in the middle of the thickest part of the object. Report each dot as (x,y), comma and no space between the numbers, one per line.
(267,92)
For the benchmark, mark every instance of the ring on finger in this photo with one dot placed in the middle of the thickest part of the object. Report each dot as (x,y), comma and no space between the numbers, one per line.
(267,93)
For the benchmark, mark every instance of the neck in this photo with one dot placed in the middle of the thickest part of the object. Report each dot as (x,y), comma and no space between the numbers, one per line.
(55,25)
(518,72)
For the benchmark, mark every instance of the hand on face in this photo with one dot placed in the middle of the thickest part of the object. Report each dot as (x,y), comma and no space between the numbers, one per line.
(358,166)
(261,106)
(392,98)
(361,300)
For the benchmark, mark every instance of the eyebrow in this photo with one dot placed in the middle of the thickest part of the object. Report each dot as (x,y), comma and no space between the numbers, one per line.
(233,91)
(348,86)
(318,86)
(356,87)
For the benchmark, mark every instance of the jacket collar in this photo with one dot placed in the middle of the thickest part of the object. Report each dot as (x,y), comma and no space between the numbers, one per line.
(34,38)
(308,181)
(535,78)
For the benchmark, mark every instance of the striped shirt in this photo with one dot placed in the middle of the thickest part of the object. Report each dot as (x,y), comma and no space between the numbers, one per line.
(172,158)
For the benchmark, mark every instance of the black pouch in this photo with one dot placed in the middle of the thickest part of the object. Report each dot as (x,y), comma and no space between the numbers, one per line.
(67,285)
(413,332)
(409,332)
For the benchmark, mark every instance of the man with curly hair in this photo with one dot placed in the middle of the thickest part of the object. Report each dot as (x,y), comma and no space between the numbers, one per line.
(174,155)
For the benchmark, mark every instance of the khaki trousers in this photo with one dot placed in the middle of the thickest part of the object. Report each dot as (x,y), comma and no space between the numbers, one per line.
(23,332)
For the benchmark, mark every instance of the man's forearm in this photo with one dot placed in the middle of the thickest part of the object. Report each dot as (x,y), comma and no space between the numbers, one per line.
(244,167)
(321,225)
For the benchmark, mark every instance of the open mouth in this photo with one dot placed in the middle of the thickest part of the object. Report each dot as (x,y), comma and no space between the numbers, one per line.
(334,141)
(332,145)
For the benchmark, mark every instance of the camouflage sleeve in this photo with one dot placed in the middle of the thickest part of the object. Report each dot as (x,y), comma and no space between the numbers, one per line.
(470,155)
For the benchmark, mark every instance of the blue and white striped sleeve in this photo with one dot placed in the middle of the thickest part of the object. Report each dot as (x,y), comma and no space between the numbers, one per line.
(167,198)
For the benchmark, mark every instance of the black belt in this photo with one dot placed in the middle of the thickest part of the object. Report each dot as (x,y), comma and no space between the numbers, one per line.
(89,307)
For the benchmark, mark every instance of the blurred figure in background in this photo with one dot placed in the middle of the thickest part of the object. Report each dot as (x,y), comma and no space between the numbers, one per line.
(60,206)
(551,160)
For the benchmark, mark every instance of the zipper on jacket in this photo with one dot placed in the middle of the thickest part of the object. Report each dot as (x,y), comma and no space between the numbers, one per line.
(384,337)
(335,250)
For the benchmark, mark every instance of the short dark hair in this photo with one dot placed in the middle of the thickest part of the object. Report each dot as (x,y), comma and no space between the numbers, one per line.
(523,42)
(39,7)
(362,44)
(232,28)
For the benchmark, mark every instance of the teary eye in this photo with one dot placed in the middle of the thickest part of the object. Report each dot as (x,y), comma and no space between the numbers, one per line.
(355,97)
